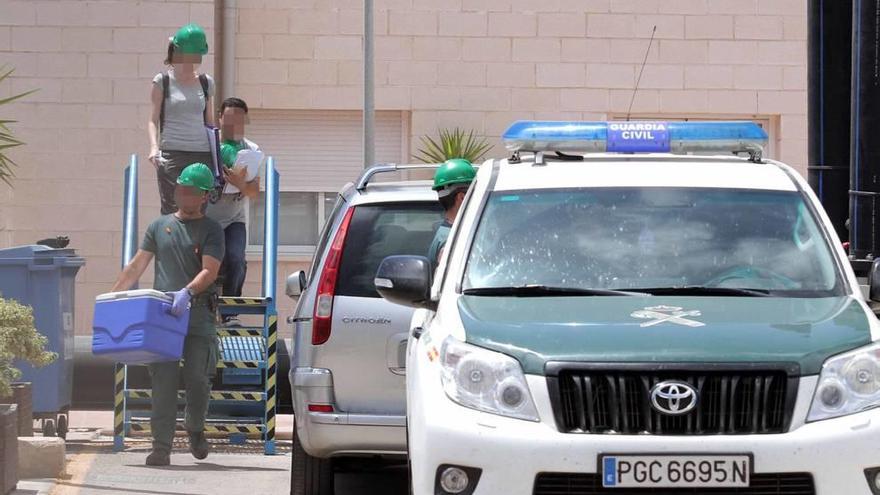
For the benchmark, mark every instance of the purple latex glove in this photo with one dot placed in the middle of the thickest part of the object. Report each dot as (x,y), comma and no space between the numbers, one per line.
(182,298)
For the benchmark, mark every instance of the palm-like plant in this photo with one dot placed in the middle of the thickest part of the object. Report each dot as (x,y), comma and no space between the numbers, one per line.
(454,143)
(7,140)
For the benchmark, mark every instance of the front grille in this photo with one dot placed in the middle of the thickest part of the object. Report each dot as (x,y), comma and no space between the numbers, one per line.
(730,402)
(590,484)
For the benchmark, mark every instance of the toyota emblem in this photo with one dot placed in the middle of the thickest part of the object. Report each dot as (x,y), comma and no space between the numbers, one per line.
(673,398)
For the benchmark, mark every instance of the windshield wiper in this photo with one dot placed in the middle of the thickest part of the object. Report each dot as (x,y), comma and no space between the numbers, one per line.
(696,290)
(544,290)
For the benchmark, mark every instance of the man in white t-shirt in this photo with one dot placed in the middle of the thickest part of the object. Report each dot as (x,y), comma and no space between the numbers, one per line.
(230,210)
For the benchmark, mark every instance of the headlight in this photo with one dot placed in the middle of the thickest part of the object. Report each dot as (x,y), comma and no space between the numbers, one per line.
(849,383)
(485,380)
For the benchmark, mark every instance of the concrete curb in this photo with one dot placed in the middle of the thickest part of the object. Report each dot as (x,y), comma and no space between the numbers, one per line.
(41,457)
(34,487)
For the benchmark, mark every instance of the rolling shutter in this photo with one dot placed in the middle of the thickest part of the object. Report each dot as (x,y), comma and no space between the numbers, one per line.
(320,150)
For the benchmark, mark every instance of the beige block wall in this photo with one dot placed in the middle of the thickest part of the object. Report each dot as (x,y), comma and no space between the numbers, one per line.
(471,63)
(92,62)
(483,63)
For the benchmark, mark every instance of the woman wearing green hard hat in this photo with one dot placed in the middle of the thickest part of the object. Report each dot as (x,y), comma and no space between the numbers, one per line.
(182,101)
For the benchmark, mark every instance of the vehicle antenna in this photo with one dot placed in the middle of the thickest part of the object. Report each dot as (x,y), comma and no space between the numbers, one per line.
(642,69)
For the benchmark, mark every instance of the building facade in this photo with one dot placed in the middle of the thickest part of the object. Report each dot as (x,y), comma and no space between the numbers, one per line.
(473,64)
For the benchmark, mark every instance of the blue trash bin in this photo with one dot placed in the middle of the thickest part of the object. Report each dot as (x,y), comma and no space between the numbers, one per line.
(44,279)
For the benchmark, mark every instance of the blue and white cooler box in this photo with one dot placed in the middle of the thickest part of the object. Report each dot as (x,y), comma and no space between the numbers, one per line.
(137,327)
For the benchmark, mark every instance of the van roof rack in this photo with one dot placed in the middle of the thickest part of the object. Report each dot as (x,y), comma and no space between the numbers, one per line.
(388,168)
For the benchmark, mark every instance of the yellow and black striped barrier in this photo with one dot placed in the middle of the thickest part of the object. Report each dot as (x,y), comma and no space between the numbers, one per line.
(238,396)
(246,365)
(217,395)
(244,350)
(250,430)
(242,301)
(119,408)
(242,365)
(240,332)
(271,380)
(144,427)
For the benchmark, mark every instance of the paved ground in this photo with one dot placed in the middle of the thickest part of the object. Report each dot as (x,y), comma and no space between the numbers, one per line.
(94,471)
(93,468)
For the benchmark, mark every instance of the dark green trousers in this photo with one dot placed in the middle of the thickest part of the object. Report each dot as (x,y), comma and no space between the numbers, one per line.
(200,355)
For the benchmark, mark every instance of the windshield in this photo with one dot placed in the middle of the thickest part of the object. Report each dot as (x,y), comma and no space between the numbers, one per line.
(652,238)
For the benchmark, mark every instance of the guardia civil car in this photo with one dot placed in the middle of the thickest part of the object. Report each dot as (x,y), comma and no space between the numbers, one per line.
(607,319)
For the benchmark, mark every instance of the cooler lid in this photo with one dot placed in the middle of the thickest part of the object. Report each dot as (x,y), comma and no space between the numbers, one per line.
(133,294)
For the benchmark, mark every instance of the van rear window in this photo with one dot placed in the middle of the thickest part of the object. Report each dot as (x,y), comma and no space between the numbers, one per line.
(384,230)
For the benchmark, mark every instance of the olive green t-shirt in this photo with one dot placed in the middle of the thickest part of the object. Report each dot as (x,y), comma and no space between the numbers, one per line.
(178,246)
(439,242)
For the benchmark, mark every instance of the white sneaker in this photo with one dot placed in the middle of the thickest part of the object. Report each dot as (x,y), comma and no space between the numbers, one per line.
(232,321)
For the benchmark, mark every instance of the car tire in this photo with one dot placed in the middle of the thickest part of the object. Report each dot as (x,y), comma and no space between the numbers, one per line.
(309,475)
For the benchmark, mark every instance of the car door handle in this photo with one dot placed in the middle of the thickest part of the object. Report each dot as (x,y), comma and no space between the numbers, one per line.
(395,353)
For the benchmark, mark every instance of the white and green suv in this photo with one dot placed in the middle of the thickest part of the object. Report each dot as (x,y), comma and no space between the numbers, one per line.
(627,308)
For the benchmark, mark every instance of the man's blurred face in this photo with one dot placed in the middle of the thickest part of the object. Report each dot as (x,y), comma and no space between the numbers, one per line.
(189,199)
(232,122)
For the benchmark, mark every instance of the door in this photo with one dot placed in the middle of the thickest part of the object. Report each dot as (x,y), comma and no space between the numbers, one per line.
(366,351)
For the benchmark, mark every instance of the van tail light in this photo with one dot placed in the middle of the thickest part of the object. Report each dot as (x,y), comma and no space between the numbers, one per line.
(321,408)
(323,315)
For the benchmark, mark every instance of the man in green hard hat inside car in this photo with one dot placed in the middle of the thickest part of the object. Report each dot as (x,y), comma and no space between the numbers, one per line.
(188,248)
(451,181)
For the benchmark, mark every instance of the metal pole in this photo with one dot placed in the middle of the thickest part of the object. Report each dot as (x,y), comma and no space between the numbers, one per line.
(369,79)
(227,80)
(129,247)
(129,211)
(270,229)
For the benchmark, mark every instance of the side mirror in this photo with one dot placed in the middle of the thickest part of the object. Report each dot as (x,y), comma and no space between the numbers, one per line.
(874,281)
(296,283)
(406,280)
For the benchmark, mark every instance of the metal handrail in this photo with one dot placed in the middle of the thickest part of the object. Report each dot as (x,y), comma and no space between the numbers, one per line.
(270,228)
(386,168)
(129,247)
(130,212)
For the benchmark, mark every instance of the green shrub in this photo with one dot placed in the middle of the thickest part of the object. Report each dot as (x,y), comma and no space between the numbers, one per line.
(19,340)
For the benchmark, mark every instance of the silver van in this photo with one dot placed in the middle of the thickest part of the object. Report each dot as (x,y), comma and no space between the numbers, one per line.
(347,369)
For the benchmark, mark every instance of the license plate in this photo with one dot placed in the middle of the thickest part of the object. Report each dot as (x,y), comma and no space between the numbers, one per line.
(675,471)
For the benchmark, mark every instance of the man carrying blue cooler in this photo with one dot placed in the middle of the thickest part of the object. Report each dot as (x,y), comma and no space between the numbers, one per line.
(188,247)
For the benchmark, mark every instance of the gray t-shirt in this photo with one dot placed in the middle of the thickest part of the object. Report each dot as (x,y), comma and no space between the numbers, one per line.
(184,126)
(232,208)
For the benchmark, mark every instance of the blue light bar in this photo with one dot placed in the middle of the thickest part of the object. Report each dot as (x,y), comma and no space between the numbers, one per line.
(636,137)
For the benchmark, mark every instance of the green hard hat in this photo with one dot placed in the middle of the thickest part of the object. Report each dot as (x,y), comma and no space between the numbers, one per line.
(197,175)
(229,152)
(191,39)
(454,171)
